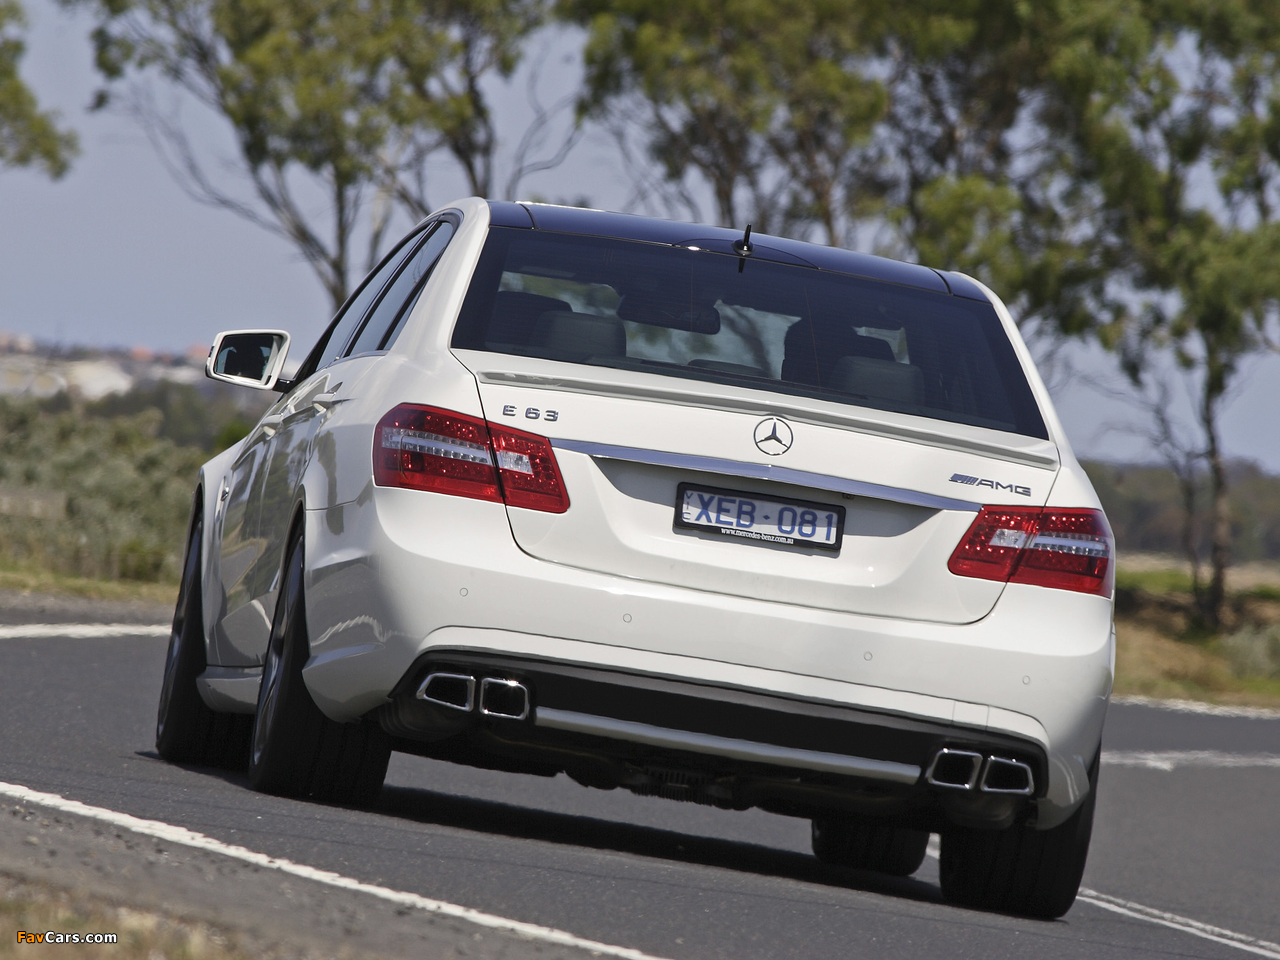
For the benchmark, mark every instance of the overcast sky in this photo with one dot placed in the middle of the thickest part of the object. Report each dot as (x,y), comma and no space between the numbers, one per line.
(116,254)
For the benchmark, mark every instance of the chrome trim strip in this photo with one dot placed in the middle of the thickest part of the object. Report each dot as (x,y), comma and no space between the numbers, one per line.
(725,746)
(767,471)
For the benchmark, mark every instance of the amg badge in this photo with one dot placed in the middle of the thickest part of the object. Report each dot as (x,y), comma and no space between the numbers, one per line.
(993,484)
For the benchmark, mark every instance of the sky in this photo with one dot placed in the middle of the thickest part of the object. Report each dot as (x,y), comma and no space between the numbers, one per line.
(116,254)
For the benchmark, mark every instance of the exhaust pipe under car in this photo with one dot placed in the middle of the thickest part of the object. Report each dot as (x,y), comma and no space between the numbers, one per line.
(457,691)
(1002,775)
(956,769)
(504,698)
(969,770)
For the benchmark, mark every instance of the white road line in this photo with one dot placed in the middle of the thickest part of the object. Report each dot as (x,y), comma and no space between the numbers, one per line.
(1240,941)
(1195,706)
(1172,759)
(82,631)
(199,841)
(1137,911)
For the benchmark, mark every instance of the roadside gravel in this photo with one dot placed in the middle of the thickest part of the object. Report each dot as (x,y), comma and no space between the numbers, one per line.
(49,857)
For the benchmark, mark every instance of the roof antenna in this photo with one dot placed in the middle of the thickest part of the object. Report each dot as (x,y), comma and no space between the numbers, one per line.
(743,248)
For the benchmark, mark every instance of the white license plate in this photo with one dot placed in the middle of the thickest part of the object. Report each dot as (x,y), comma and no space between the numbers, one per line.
(787,523)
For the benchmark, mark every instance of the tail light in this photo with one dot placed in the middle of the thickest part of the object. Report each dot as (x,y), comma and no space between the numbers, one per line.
(425,448)
(1070,549)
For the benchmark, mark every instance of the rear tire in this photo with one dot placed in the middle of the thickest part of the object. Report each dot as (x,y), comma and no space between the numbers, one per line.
(187,731)
(1019,870)
(868,844)
(296,750)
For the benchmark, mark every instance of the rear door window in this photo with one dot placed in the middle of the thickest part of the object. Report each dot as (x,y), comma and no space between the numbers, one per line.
(384,322)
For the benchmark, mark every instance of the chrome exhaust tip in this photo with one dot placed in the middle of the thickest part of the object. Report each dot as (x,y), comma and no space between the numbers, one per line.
(504,698)
(954,769)
(1002,775)
(457,691)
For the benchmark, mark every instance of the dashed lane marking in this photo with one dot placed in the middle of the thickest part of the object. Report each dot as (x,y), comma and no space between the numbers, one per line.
(1138,911)
(199,841)
(1169,760)
(82,631)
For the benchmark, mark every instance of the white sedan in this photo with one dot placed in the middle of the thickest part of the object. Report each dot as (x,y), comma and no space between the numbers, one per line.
(723,518)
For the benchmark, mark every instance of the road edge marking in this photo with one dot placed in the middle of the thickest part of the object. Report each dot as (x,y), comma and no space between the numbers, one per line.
(1138,911)
(82,631)
(199,841)
(1241,941)
(1169,760)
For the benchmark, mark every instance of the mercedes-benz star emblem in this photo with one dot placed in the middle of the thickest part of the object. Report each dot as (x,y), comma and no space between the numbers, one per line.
(773,436)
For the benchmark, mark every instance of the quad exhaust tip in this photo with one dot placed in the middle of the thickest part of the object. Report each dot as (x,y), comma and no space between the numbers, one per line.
(504,698)
(968,770)
(957,769)
(1003,775)
(458,691)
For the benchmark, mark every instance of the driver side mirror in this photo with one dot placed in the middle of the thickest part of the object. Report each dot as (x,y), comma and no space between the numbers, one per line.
(248,358)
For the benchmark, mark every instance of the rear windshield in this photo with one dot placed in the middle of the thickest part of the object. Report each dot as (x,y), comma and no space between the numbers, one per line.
(694,314)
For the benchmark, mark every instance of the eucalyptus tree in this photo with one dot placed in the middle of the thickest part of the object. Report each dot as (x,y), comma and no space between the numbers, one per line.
(29,136)
(762,102)
(334,105)
(1187,165)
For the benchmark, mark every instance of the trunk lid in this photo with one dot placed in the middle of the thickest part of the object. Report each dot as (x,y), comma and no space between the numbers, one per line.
(635,448)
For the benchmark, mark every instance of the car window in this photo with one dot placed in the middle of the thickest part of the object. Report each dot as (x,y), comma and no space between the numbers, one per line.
(335,338)
(384,322)
(697,314)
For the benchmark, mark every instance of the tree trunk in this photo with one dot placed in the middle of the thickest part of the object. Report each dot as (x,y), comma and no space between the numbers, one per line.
(1213,600)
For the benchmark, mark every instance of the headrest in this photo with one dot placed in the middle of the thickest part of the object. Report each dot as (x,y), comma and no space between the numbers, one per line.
(515,312)
(565,335)
(878,379)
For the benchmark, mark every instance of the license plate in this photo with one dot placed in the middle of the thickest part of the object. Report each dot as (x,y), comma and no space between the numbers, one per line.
(787,523)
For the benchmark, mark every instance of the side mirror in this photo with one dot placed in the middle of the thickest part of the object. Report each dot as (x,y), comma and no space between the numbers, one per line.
(248,358)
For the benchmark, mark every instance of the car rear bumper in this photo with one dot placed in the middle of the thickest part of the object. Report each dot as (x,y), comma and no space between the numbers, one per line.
(714,745)
(435,577)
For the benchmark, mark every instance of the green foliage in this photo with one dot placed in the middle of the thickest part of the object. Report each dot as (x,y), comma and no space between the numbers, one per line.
(1253,651)
(344,101)
(120,493)
(188,418)
(28,136)
(763,100)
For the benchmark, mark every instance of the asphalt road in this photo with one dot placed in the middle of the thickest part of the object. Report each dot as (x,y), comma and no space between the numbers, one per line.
(1186,825)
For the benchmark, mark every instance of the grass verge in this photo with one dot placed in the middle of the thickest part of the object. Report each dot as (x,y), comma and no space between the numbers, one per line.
(34,580)
(37,908)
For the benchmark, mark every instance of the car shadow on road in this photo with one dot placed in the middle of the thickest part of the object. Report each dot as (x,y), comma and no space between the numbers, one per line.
(509,820)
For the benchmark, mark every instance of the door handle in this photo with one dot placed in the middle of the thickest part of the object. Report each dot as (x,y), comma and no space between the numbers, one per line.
(271,424)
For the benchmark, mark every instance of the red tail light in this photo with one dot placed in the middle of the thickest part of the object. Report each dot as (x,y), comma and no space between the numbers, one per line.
(1066,549)
(425,448)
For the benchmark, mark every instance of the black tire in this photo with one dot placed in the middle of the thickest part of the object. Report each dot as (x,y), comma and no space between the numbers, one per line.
(868,844)
(187,731)
(1020,870)
(296,750)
